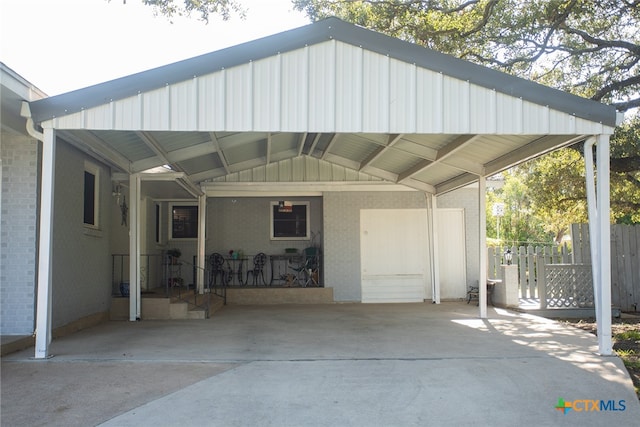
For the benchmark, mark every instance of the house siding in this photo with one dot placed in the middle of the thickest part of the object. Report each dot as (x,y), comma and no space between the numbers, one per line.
(243,224)
(342,235)
(81,258)
(467,199)
(18,232)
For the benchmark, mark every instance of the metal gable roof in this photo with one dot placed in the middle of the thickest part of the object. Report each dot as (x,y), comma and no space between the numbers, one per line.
(329,104)
(321,31)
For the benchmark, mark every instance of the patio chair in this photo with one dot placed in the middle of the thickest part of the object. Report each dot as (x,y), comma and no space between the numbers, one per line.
(307,270)
(216,268)
(257,272)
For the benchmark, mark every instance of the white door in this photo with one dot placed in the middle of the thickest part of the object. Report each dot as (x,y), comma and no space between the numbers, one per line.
(394,255)
(451,253)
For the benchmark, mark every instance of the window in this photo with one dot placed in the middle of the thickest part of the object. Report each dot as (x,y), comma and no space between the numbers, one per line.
(91,181)
(157,230)
(290,220)
(184,221)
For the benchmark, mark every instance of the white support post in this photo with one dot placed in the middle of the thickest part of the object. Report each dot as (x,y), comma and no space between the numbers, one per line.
(598,193)
(482,252)
(202,221)
(436,253)
(603,310)
(134,247)
(45,254)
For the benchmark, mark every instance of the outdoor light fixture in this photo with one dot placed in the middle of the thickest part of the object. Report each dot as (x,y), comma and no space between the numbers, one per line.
(508,256)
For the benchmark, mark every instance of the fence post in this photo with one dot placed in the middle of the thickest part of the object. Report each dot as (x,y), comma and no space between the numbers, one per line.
(522,271)
(542,285)
(531,274)
(491,273)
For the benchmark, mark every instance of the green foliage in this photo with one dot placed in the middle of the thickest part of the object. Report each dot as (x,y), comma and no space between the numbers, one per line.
(628,335)
(204,8)
(520,223)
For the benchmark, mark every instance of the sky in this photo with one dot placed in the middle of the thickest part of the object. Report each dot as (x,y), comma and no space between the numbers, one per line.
(63,45)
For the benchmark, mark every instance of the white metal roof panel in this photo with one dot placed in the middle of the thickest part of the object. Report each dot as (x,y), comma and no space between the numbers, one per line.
(323,102)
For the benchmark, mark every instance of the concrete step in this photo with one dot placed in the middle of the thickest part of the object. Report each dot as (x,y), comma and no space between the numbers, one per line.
(196,313)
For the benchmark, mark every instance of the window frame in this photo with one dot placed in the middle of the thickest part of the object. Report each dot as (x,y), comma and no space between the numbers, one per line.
(158,225)
(93,169)
(272,227)
(182,204)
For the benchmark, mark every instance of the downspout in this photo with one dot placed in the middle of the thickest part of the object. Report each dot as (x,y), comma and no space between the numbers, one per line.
(592,211)
(43,321)
(25,112)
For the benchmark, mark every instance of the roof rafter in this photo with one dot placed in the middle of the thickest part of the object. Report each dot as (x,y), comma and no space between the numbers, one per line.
(154,145)
(95,146)
(443,153)
(301,140)
(331,143)
(216,145)
(391,141)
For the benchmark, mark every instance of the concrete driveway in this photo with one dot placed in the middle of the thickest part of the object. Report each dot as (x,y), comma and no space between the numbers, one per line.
(323,365)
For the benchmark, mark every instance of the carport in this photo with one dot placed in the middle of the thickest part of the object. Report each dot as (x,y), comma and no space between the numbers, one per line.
(270,115)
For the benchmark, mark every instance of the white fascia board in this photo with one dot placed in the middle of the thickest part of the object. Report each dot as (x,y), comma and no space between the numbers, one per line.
(251,189)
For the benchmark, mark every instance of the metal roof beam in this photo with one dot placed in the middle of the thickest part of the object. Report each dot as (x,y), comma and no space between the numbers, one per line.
(91,144)
(326,151)
(455,183)
(314,143)
(531,150)
(154,145)
(269,148)
(301,140)
(391,141)
(216,146)
(447,151)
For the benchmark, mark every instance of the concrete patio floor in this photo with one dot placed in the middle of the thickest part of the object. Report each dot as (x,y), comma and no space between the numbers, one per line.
(321,365)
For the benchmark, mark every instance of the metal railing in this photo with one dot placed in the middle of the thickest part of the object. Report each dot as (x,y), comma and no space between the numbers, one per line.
(159,272)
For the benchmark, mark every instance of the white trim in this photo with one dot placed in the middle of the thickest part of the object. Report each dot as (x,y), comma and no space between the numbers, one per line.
(435,259)
(134,247)
(482,219)
(93,169)
(202,224)
(44,290)
(598,193)
(294,189)
(308,221)
(158,225)
(170,222)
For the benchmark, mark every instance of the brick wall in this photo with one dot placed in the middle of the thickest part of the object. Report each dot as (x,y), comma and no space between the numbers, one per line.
(18,225)
(342,234)
(467,198)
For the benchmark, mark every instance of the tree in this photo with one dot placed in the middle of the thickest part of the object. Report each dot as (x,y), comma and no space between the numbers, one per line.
(205,8)
(589,48)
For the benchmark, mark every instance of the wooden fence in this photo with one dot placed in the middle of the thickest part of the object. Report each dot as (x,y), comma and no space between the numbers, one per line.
(625,262)
(530,261)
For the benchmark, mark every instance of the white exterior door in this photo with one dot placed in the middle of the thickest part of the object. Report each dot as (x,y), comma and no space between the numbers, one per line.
(451,253)
(394,253)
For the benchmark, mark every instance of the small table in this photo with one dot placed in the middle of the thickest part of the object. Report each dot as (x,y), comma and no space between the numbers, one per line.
(474,291)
